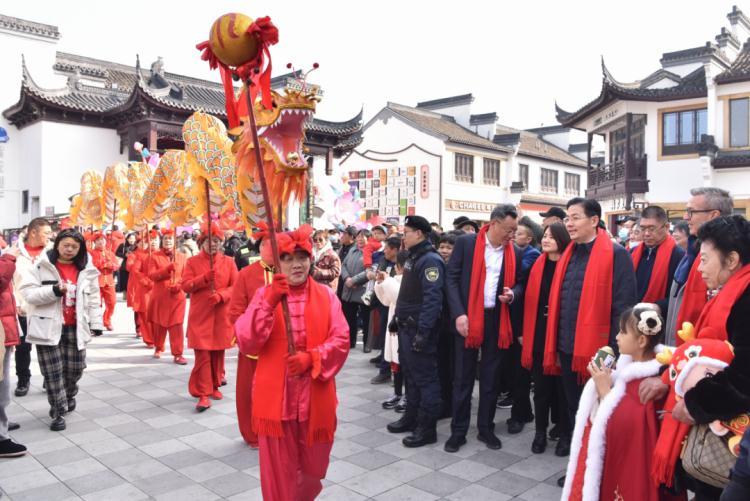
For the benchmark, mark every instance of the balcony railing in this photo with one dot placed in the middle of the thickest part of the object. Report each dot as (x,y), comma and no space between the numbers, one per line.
(618,178)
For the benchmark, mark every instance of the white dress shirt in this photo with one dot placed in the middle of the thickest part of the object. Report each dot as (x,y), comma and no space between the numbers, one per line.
(493,262)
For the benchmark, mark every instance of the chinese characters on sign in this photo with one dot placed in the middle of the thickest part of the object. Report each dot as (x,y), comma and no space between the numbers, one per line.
(386,192)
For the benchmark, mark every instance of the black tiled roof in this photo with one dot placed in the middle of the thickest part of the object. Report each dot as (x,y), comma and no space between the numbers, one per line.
(534,145)
(740,69)
(443,126)
(119,81)
(483,118)
(29,27)
(578,148)
(738,16)
(731,158)
(549,129)
(726,36)
(447,101)
(679,56)
(690,86)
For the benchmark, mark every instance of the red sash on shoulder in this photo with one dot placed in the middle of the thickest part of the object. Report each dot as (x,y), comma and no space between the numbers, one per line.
(594,311)
(713,320)
(657,286)
(693,299)
(531,298)
(475,310)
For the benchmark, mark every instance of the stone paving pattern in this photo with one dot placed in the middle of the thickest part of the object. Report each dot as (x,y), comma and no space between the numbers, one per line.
(135,435)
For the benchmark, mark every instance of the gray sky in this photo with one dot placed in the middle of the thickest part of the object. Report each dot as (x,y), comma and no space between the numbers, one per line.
(515,57)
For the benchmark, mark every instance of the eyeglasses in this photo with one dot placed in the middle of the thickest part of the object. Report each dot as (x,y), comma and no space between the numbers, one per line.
(574,219)
(319,240)
(690,212)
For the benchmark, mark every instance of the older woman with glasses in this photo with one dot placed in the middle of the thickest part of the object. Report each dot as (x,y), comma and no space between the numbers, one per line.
(326,263)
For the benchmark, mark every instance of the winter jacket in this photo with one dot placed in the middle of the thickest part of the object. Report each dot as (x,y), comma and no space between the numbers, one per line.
(8,319)
(45,309)
(24,262)
(327,267)
(353,267)
(387,293)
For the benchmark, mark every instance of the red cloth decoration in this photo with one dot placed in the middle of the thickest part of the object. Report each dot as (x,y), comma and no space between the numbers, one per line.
(370,247)
(215,231)
(531,297)
(270,377)
(262,231)
(167,232)
(266,34)
(694,299)
(713,320)
(97,235)
(475,309)
(594,312)
(299,239)
(657,287)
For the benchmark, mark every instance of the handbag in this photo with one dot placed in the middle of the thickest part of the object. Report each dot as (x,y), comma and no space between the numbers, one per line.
(706,456)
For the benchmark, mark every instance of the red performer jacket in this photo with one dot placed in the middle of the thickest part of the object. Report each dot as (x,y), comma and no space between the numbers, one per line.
(167,306)
(104,261)
(209,327)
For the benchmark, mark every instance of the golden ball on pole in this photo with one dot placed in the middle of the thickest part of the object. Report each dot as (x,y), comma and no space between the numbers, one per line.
(230,41)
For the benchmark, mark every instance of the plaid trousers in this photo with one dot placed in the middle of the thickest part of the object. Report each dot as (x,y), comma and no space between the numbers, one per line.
(62,367)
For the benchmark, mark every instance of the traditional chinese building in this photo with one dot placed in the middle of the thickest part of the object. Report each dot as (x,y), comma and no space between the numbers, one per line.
(685,125)
(439,160)
(101,109)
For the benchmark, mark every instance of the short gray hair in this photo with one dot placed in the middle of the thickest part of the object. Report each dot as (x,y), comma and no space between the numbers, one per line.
(716,198)
(504,210)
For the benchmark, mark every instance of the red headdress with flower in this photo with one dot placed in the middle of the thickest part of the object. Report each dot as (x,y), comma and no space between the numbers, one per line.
(299,239)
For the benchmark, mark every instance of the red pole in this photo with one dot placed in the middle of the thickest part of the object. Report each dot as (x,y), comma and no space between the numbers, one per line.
(210,236)
(269,214)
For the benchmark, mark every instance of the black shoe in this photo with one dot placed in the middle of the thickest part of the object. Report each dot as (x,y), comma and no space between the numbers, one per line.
(392,402)
(454,443)
(515,427)
(403,425)
(71,404)
(562,448)
(376,360)
(561,481)
(505,403)
(424,434)
(13,426)
(366,349)
(554,433)
(401,406)
(381,378)
(539,445)
(58,424)
(22,388)
(10,449)
(491,440)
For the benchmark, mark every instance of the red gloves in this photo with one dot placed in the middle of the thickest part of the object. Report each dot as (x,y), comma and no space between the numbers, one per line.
(214,298)
(174,288)
(145,282)
(278,289)
(299,363)
(170,267)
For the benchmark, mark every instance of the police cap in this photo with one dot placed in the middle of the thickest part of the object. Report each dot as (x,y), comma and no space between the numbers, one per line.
(418,223)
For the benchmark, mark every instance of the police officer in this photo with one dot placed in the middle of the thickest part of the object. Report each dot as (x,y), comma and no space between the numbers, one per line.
(418,308)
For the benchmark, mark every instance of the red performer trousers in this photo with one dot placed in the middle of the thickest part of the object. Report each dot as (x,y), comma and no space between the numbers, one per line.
(176,338)
(206,375)
(244,397)
(109,299)
(145,328)
(290,469)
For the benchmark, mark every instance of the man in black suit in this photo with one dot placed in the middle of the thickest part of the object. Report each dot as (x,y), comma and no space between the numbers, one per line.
(499,254)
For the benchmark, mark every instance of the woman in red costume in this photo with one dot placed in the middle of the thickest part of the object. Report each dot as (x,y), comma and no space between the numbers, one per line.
(136,296)
(294,411)
(166,311)
(209,330)
(252,277)
(104,261)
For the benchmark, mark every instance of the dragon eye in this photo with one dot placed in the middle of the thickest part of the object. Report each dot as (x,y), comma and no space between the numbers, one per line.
(672,373)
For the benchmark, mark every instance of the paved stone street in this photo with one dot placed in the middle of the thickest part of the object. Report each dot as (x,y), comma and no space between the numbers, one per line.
(136,435)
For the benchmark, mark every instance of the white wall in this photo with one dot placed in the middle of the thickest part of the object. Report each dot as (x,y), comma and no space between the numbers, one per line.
(40,56)
(477,191)
(67,151)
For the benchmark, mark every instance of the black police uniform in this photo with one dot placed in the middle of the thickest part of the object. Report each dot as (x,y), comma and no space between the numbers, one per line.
(245,254)
(418,309)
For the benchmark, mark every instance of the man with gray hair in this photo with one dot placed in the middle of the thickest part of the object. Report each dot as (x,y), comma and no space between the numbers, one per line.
(484,285)
(688,293)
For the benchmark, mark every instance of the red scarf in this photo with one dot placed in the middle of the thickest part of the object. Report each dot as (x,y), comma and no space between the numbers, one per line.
(270,375)
(713,320)
(694,299)
(476,294)
(657,286)
(594,311)
(531,298)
